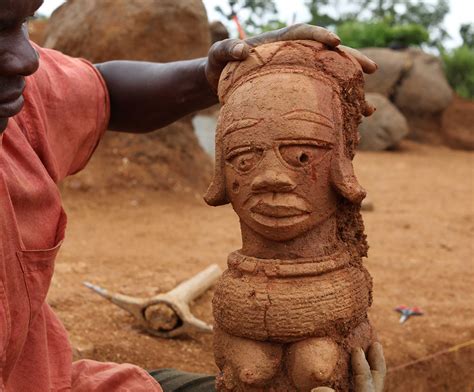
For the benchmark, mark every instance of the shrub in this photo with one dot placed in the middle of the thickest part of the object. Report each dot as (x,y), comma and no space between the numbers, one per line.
(459,66)
(381,34)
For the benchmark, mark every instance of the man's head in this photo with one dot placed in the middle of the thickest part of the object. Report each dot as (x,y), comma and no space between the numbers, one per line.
(285,137)
(18,58)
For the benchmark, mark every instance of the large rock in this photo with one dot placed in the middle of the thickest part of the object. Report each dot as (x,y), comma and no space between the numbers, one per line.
(424,88)
(152,30)
(385,128)
(393,65)
(415,82)
(148,30)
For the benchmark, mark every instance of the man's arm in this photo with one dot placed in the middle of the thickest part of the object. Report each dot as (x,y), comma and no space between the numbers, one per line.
(146,96)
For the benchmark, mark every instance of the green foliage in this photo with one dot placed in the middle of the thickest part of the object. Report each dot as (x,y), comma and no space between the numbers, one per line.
(318,17)
(381,34)
(375,15)
(459,67)
(467,34)
(255,16)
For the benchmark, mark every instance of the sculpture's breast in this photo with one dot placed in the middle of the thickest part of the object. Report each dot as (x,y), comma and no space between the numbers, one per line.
(285,308)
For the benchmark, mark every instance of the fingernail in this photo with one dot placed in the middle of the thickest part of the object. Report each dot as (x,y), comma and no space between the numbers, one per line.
(238,50)
(335,36)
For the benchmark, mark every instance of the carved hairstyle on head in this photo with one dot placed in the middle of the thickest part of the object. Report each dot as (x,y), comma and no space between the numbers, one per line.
(344,74)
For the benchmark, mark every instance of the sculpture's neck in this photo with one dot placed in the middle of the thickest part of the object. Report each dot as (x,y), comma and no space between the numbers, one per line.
(319,242)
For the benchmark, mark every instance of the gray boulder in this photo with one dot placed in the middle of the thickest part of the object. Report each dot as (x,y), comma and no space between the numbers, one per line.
(424,88)
(393,65)
(385,128)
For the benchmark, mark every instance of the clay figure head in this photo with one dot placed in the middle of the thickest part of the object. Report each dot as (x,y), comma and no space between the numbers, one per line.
(283,144)
(18,58)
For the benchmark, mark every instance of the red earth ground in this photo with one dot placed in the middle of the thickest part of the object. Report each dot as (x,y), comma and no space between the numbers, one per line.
(142,242)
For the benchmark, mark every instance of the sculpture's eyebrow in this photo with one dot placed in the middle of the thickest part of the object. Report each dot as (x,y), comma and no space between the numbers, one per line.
(241,124)
(308,115)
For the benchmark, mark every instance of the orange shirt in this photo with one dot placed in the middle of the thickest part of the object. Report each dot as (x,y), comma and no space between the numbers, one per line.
(66,112)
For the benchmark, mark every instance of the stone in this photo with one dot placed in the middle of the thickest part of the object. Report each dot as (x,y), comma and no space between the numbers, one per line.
(415,83)
(385,128)
(393,66)
(424,89)
(148,30)
(294,299)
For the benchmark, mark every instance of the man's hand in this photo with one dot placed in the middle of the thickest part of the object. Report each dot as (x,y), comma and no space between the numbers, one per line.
(369,374)
(234,50)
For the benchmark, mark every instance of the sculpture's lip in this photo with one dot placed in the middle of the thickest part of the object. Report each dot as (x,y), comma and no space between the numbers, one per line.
(279,221)
(277,211)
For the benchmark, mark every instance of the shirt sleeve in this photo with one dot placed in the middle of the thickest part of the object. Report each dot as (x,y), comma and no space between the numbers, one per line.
(67,110)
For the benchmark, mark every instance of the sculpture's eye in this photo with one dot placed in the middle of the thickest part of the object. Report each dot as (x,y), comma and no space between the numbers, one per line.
(246,160)
(300,155)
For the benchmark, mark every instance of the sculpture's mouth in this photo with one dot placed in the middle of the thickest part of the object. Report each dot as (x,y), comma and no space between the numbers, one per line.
(279,209)
(276,211)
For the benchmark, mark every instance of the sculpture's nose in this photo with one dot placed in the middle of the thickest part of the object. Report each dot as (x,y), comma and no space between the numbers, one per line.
(272,181)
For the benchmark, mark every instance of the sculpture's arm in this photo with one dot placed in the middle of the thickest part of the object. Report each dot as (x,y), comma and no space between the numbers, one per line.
(369,373)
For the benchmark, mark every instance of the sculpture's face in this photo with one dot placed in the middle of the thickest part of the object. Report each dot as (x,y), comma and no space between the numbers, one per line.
(278,139)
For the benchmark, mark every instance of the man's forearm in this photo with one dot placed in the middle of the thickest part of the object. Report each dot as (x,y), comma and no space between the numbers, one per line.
(147,96)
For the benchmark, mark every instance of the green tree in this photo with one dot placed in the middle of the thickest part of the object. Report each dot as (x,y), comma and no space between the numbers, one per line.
(459,67)
(378,15)
(381,34)
(459,63)
(467,34)
(318,16)
(255,16)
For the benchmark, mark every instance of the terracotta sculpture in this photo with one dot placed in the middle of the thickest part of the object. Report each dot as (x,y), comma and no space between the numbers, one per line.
(294,299)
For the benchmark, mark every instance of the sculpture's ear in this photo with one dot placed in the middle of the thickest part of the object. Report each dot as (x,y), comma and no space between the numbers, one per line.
(343,178)
(216,194)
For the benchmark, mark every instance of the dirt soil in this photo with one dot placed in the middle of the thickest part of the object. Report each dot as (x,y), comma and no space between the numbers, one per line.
(142,242)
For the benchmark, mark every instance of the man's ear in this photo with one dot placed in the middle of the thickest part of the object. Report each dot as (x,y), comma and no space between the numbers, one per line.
(344,180)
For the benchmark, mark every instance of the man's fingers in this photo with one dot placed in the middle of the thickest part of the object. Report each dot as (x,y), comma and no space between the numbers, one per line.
(299,31)
(361,371)
(228,50)
(322,389)
(368,66)
(220,54)
(378,366)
